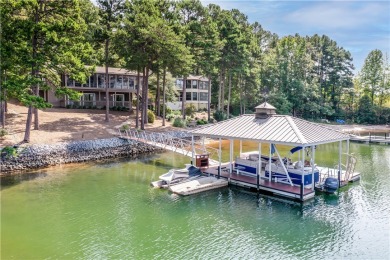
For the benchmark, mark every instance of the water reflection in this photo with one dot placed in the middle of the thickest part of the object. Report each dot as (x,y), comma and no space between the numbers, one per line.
(13,179)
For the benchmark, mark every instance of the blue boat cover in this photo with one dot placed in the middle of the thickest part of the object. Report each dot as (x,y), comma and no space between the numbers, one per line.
(193,171)
(295,149)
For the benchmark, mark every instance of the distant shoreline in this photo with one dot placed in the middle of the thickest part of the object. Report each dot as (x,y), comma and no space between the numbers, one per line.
(361,129)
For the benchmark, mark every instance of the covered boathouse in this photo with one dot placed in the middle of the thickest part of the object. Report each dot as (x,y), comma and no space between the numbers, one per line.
(266,127)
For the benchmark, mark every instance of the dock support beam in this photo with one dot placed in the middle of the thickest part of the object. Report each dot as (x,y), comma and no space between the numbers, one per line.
(303,168)
(313,154)
(339,175)
(269,162)
(231,155)
(193,150)
(219,158)
(259,168)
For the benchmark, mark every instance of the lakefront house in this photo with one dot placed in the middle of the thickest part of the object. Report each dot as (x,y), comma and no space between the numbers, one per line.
(123,89)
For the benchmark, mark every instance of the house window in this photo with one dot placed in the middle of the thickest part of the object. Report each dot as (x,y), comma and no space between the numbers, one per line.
(112,81)
(77,84)
(101,81)
(203,85)
(118,100)
(125,82)
(131,82)
(188,95)
(194,84)
(69,81)
(194,96)
(92,82)
(203,96)
(118,82)
(181,96)
(88,99)
(179,83)
(188,83)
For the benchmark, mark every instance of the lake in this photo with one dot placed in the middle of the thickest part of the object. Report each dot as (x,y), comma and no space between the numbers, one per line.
(107,209)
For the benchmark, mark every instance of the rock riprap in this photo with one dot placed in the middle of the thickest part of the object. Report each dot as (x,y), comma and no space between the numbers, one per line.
(40,156)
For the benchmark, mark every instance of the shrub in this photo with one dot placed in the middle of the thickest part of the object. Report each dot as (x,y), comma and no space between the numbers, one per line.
(201,122)
(9,151)
(151,116)
(190,110)
(3,132)
(220,115)
(179,122)
(169,117)
(167,110)
(125,127)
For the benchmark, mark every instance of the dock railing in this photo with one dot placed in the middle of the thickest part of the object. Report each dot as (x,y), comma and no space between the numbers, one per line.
(170,142)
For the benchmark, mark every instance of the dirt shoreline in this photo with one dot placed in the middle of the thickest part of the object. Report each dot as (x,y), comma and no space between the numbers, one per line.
(64,125)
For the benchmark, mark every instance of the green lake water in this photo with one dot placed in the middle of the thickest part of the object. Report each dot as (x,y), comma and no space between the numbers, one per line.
(107,210)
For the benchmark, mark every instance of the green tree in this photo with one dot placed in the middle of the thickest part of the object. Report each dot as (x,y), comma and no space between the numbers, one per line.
(110,12)
(365,112)
(331,71)
(147,38)
(50,37)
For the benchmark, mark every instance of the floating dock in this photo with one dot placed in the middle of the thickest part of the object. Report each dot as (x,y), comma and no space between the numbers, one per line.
(265,186)
(371,139)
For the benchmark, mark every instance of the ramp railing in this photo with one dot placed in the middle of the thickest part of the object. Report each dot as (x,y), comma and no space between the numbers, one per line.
(170,142)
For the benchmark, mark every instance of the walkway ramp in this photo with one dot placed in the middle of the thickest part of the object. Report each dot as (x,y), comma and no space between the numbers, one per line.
(171,143)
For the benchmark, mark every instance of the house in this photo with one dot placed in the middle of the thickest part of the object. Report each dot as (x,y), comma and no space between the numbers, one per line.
(197,92)
(122,89)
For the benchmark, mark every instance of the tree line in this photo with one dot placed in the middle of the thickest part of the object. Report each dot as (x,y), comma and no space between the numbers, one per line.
(305,76)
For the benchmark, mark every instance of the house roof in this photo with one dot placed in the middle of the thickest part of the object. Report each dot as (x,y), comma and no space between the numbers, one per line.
(266,105)
(277,129)
(121,71)
(118,71)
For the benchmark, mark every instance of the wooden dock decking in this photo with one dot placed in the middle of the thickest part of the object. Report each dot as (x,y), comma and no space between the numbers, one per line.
(370,139)
(276,188)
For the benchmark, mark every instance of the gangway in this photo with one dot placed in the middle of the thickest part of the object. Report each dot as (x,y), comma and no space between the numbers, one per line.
(171,143)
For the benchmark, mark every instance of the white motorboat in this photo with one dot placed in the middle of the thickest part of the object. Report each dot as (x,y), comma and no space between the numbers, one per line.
(199,185)
(174,176)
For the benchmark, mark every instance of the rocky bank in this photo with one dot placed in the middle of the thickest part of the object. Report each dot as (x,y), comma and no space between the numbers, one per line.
(40,156)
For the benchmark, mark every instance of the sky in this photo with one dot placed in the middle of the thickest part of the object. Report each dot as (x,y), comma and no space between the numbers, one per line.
(357,26)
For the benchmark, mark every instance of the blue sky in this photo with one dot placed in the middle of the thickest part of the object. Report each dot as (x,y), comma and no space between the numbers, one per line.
(357,26)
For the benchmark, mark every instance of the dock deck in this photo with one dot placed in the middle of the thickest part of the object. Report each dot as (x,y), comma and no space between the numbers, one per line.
(275,188)
(370,139)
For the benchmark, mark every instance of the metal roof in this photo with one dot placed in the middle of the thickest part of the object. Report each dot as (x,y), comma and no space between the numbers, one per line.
(266,105)
(278,129)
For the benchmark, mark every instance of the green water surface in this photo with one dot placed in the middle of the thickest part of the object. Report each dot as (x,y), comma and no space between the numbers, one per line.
(107,210)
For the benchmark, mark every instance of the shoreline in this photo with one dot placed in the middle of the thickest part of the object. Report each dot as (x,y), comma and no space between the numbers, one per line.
(44,156)
(361,129)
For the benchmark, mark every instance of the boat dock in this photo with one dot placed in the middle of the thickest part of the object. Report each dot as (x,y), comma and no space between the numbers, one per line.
(376,139)
(264,186)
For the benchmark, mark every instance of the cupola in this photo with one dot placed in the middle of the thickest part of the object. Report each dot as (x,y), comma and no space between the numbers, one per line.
(264,110)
